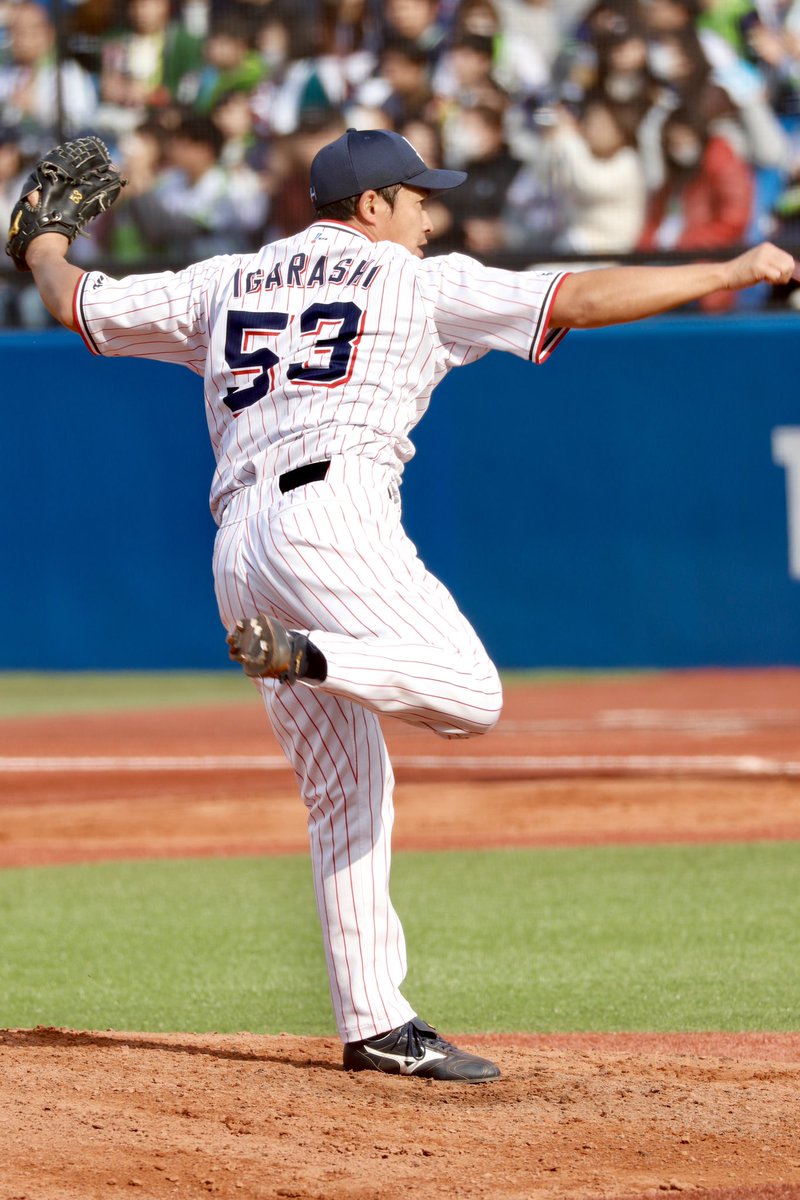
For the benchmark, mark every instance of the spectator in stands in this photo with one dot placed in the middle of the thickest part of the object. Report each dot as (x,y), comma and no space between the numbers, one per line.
(119,234)
(351,37)
(530,37)
(731,95)
(402,86)
(278,40)
(474,76)
(464,80)
(625,81)
(686,79)
(741,77)
(670,16)
(352,27)
(12,167)
(426,140)
(475,215)
(5,7)
(146,64)
(585,55)
(18,301)
(605,17)
(729,20)
(623,73)
(548,24)
(12,173)
(193,209)
(232,62)
(773,46)
(86,24)
(535,214)
(301,87)
(680,76)
(785,231)
(289,164)
(707,196)
(601,178)
(416,21)
(466,77)
(476,18)
(305,13)
(32,89)
(233,116)
(604,20)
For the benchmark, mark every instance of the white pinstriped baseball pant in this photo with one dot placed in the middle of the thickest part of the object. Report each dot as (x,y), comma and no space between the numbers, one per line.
(332,559)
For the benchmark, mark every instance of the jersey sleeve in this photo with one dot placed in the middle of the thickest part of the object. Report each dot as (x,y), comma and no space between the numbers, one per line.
(162,316)
(476,308)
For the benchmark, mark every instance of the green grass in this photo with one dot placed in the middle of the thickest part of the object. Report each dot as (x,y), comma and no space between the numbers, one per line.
(32,693)
(643,938)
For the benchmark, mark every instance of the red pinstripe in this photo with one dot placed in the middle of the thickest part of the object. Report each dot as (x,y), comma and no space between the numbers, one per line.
(301,738)
(342,792)
(290,747)
(372,840)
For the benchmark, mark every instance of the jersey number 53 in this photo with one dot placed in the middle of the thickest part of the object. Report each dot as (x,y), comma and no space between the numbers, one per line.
(329,333)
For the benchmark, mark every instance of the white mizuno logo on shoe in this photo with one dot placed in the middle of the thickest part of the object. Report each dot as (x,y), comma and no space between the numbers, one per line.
(409,1066)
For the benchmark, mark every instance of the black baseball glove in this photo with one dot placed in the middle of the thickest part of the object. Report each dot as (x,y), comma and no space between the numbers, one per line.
(70,186)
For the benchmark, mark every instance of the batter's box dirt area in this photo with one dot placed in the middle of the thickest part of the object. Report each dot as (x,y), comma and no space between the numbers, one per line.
(687,757)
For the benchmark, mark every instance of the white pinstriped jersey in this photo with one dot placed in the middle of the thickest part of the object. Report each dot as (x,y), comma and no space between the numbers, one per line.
(321,344)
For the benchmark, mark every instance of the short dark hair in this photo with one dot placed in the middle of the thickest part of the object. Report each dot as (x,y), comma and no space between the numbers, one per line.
(687,115)
(479,42)
(490,116)
(345,210)
(405,48)
(201,131)
(233,25)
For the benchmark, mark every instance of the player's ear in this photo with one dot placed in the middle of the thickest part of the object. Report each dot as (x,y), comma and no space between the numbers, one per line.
(366,209)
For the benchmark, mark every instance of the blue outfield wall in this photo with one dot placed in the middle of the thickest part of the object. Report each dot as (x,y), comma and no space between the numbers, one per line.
(627,504)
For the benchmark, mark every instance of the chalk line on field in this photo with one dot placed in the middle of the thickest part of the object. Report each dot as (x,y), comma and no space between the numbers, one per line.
(648,720)
(556,764)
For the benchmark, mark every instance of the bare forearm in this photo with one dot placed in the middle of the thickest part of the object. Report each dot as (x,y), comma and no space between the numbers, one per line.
(614,295)
(55,278)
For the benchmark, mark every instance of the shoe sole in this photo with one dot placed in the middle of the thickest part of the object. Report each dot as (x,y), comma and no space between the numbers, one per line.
(271,658)
(434,1072)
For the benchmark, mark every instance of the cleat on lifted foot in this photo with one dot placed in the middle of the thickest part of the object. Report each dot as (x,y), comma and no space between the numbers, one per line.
(264,648)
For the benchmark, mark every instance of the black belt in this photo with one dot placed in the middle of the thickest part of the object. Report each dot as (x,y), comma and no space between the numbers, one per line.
(310,473)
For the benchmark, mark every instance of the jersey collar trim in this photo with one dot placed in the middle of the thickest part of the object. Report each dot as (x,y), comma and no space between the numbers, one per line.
(343,225)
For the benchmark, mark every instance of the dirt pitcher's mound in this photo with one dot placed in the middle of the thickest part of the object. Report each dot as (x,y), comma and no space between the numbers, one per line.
(186,1115)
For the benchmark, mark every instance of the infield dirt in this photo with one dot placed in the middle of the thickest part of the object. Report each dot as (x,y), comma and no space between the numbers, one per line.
(105,1114)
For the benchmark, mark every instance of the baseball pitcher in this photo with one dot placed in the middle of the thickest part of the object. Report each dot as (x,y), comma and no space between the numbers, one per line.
(318,356)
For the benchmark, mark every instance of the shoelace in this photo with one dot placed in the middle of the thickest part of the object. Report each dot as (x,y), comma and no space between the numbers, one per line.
(415,1038)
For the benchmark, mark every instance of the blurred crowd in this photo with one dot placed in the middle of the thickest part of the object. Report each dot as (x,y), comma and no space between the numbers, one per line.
(589,130)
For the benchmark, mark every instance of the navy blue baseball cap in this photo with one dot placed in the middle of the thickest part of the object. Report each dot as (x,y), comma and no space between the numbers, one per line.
(362,159)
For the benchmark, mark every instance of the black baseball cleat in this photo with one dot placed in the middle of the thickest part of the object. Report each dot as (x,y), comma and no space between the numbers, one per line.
(266,649)
(416,1049)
